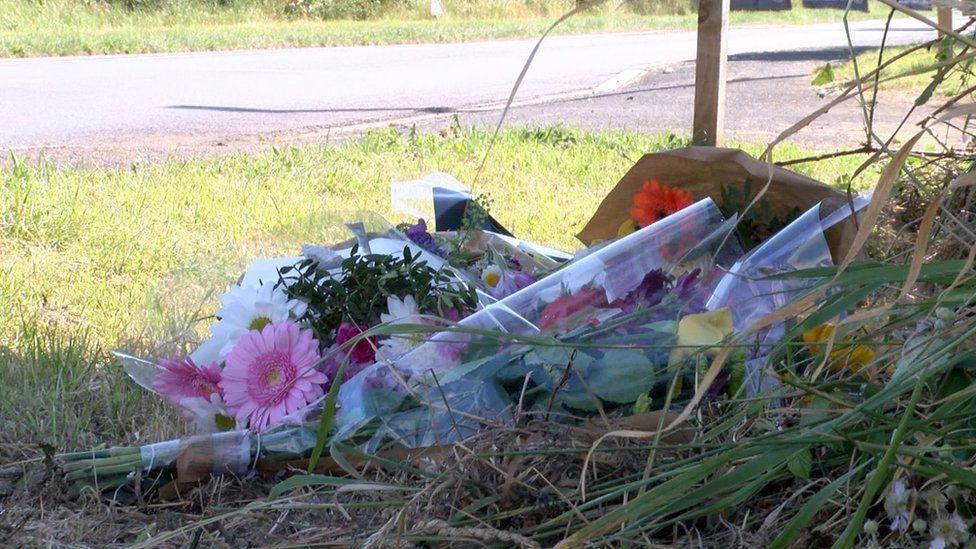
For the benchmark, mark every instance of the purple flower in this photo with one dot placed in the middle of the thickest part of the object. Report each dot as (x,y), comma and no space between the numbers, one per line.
(418,235)
(690,292)
(511,282)
(452,315)
(648,293)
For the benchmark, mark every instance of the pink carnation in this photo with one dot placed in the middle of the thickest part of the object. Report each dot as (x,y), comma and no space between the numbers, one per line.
(181,378)
(271,373)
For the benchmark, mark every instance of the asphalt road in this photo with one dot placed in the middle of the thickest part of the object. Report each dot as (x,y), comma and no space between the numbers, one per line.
(766,93)
(183,100)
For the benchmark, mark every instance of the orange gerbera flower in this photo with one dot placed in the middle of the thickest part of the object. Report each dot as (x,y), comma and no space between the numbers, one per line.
(655,201)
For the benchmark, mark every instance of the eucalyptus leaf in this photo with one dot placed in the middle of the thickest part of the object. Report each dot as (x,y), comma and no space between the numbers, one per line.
(623,375)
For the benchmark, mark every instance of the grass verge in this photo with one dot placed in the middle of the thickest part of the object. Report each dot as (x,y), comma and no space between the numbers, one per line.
(30,29)
(916,70)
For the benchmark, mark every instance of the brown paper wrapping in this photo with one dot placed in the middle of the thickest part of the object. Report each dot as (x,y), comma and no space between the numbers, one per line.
(703,171)
(201,456)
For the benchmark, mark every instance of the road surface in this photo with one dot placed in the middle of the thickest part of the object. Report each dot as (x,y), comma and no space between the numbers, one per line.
(187,98)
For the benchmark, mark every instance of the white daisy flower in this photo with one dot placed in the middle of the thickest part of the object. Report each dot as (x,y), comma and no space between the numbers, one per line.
(245,308)
(491,275)
(404,310)
(209,416)
(401,312)
(949,532)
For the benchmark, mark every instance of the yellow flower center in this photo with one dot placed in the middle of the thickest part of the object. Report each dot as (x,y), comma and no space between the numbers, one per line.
(272,377)
(491,278)
(224,423)
(259,323)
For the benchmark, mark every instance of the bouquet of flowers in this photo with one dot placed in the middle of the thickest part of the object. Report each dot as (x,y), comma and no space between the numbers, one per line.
(408,339)
(599,332)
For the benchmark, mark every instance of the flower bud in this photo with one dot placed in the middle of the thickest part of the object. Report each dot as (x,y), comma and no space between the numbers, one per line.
(945,314)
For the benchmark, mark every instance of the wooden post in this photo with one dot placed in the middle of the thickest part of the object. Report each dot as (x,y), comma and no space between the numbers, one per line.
(944,19)
(710,66)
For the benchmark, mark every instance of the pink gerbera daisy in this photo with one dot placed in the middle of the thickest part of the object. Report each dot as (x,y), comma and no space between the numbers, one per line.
(271,373)
(181,378)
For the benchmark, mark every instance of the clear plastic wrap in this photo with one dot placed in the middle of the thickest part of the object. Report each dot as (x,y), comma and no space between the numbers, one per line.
(626,297)
(751,293)
(683,241)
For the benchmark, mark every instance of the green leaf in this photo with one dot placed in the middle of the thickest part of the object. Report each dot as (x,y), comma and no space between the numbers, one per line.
(877,478)
(340,459)
(622,375)
(818,411)
(825,75)
(837,305)
(676,493)
(325,421)
(800,464)
(474,506)
(301,481)
(933,467)
(956,381)
(926,94)
(385,463)
(643,404)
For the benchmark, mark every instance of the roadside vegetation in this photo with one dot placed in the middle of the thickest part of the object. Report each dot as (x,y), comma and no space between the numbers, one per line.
(922,69)
(66,27)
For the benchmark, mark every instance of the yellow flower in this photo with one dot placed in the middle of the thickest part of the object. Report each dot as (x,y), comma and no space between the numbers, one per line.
(706,329)
(853,358)
(627,227)
(817,334)
(844,355)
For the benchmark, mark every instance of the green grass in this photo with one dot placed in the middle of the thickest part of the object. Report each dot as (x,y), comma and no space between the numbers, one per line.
(64,27)
(913,72)
(95,259)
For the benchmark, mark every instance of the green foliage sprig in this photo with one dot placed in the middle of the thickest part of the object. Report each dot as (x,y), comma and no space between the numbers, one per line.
(475,215)
(359,292)
(759,223)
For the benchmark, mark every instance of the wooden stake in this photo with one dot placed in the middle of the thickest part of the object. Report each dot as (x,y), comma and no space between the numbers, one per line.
(944,19)
(710,68)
